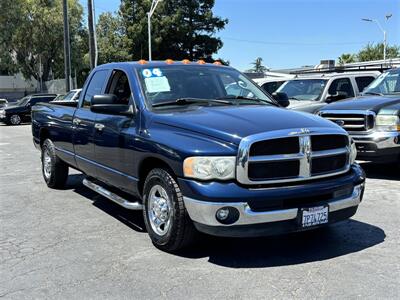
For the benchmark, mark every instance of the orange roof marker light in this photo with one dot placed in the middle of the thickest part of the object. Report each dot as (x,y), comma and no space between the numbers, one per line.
(201,62)
(169,61)
(218,63)
(186,61)
(142,62)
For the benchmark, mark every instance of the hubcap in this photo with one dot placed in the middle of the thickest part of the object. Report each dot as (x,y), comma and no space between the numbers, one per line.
(159,210)
(46,164)
(15,119)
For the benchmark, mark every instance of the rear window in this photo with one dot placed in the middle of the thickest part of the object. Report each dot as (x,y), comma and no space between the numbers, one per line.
(363,82)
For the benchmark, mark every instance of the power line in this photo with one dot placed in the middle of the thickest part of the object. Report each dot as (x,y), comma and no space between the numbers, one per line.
(292,43)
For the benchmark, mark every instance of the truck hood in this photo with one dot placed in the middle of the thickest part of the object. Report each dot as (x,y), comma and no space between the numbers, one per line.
(232,124)
(372,103)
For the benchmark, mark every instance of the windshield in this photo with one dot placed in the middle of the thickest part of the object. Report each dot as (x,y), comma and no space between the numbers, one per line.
(303,89)
(174,83)
(23,101)
(386,83)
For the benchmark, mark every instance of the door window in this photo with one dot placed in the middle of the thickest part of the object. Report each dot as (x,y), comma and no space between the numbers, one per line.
(95,86)
(363,82)
(342,85)
(119,86)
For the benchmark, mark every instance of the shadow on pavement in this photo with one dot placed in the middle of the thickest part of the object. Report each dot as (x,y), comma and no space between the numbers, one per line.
(321,244)
(382,171)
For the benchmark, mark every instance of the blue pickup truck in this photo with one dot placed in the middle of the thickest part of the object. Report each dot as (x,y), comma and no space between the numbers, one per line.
(169,139)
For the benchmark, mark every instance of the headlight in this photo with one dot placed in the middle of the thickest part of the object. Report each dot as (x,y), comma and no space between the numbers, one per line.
(353,152)
(387,123)
(210,167)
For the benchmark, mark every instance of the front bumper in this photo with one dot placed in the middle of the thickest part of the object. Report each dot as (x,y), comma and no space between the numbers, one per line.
(253,221)
(378,146)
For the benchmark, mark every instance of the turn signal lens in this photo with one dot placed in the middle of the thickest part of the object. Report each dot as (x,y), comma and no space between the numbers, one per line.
(142,62)
(201,62)
(169,61)
(186,61)
(218,63)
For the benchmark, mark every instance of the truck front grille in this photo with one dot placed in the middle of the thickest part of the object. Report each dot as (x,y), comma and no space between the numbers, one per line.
(295,156)
(351,122)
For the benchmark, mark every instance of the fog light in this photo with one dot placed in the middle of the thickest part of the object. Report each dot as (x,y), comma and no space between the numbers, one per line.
(222,213)
(227,215)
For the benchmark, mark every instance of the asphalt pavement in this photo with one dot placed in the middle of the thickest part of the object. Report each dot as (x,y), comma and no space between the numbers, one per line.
(75,244)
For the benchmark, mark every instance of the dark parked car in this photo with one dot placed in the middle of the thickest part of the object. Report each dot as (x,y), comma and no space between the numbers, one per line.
(167,138)
(20,111)
(373,121)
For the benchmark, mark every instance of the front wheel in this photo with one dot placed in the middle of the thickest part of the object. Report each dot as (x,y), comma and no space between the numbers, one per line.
(15,120)
(166,219)
(54,170)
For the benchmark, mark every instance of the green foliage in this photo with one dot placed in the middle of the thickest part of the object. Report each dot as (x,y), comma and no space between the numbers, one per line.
(370,52)
(110,39)
(180,29)
(375,52)
(31,31)
(258,66)
(346,58)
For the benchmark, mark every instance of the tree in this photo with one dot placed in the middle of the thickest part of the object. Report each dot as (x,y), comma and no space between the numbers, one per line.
(375,52)
(346,58)
(110,39)
(31,35)
(180,29)
(258,67)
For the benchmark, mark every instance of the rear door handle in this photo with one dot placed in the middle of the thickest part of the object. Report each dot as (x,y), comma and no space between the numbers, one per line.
(99,126)
(76,121)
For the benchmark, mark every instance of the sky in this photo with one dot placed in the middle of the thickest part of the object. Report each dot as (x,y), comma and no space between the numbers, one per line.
(294,33)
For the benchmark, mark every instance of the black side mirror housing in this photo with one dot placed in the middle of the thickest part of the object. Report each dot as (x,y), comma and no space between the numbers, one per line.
(281,98)
(338,96)
(105,104)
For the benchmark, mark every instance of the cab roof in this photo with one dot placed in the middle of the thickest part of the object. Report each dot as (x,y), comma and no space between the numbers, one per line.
(160,63)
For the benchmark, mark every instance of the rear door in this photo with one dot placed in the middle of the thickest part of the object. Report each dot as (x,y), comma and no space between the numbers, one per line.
(363,81)
(342,85)
(83,124)
(114,137)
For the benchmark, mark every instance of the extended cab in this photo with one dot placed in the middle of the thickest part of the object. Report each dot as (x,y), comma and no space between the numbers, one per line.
(20,111)
(311,93)
(373,120)
(167,138)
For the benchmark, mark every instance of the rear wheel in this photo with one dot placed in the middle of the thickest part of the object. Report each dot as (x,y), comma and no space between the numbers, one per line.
(54,170)
(167,221)
(15,120)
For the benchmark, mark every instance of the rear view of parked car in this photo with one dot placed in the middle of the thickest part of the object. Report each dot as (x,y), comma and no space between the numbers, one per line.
(19,112)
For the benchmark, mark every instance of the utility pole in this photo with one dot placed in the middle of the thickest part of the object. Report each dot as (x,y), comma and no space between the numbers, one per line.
(153,7)
(67,48)
(388,16)
(92,36)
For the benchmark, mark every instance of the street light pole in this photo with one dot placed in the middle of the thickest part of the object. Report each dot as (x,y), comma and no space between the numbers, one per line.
(383,31)
(153,7)
(67,48)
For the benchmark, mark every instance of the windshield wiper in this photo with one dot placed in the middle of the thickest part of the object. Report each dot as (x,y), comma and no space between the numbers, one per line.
(294,98)
(258,100)
(373,93)
(185,101)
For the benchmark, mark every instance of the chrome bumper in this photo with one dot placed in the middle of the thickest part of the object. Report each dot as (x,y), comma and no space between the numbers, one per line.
(205,212)
(382,140)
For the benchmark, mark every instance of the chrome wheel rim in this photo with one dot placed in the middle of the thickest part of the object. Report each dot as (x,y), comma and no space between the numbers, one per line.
(159,210)
(46,164)
(15,119)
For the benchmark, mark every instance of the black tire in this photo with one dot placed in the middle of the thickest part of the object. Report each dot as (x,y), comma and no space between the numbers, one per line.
(54,170)
(14,120)
(181,232)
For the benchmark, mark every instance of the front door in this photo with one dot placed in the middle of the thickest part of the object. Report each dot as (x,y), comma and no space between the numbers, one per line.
(83,124)
(114,138)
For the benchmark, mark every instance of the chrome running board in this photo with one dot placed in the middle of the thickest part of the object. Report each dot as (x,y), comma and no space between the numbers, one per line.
(113,197)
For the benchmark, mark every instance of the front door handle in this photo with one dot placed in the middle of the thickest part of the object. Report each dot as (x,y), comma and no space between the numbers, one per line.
(76,121)
(99,126)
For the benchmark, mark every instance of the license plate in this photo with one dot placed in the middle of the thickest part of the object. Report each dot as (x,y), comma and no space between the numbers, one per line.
(313,216)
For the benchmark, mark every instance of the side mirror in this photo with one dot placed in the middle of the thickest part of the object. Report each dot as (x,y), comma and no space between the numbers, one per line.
(281,98)
(340,95)
(104,104)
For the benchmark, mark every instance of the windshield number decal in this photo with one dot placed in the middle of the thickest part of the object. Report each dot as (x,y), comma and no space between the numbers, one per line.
(148,73)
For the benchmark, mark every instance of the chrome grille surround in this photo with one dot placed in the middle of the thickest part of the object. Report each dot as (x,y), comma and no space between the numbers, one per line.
(304,156)
(343,115)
